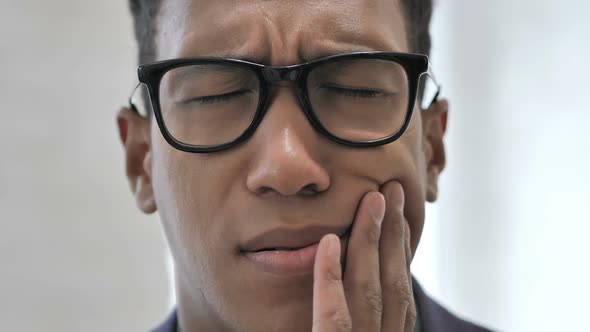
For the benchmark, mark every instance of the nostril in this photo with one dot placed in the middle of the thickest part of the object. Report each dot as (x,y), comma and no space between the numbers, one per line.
(288,176)
(310,189)
(265,190)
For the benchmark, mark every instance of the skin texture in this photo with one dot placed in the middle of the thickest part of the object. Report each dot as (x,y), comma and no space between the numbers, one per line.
(287,175)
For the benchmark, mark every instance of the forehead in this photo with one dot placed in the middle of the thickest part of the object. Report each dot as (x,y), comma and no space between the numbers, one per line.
(278,32)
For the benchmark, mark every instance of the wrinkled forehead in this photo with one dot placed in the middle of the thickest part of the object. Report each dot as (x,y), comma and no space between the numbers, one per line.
(278,32)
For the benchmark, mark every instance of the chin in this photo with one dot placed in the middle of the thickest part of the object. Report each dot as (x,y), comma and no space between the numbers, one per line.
(290,317)
(262,302)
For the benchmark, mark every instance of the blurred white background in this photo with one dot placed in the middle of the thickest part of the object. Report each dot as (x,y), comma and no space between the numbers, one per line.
(506,245)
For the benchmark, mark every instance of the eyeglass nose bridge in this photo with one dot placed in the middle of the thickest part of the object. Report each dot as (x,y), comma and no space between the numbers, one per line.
(274,74)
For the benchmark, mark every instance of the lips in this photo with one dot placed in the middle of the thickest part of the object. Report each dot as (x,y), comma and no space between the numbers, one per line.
(291,239)
(288,251)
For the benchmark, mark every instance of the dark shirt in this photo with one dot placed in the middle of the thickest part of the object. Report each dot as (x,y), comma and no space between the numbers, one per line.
(431,317)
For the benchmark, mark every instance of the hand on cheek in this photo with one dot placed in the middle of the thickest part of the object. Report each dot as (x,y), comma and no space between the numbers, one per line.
(375,291)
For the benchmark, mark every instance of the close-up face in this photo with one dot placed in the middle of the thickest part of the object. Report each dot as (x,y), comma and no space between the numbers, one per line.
(286,175)
(281,165)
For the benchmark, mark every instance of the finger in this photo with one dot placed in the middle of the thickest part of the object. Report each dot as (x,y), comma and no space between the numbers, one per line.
(362,283)
(398,299)
(330,312)
(411,314)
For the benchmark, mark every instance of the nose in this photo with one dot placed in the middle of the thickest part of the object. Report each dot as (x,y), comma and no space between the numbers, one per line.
(286,151)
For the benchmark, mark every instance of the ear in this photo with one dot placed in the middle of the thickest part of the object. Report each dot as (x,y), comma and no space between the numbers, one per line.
(134,131)
(434,124)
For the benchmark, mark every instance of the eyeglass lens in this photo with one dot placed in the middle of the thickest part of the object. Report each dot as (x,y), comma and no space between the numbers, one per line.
(355,99)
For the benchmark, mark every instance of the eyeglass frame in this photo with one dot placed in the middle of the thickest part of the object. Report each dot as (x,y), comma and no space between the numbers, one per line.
(415,66)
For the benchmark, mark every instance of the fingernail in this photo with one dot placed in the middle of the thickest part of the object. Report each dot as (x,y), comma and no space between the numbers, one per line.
(377,207)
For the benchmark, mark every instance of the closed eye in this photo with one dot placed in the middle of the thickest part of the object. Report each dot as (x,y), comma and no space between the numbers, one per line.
(204,100)
(352,92)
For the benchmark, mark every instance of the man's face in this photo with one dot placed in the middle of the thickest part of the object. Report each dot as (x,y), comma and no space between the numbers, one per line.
(286,175)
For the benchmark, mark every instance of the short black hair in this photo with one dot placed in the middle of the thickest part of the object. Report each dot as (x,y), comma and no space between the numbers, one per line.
(144,12)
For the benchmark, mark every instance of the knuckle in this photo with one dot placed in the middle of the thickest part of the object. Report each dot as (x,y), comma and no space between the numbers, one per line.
(411,315)
(373,301)
(402,289)
(371,297)
(340,320)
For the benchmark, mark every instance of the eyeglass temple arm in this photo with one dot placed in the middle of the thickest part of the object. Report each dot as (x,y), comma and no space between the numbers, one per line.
(130,99)
(430,73)
(438,86)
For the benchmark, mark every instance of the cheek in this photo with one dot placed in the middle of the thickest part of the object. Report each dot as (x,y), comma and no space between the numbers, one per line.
(192,194)
(402,161)
(182,207)
(414,179)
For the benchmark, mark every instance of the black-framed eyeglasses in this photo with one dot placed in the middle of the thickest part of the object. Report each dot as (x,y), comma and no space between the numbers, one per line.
(360,99)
